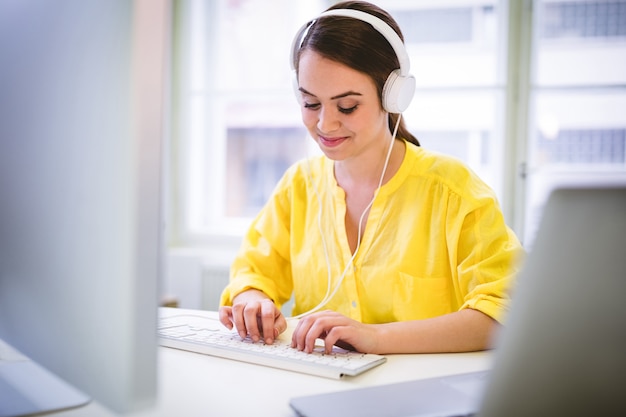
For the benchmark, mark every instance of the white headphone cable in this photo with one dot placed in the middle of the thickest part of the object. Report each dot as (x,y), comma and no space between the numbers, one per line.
(328,297)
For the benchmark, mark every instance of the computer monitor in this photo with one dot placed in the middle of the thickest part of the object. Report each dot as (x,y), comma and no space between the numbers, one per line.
(82,84)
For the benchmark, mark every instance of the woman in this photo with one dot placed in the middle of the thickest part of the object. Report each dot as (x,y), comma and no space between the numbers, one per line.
(386,247)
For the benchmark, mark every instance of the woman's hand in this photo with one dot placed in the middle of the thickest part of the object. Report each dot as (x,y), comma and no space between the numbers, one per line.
(334,329)
(466,330)
(254,314)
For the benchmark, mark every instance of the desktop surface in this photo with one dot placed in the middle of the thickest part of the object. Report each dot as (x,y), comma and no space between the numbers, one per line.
(194,384)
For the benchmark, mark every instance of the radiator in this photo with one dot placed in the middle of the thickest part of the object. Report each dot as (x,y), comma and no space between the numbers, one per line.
(214,279)
(193,281)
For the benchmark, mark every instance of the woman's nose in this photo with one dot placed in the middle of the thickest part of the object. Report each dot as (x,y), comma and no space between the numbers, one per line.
(328,120)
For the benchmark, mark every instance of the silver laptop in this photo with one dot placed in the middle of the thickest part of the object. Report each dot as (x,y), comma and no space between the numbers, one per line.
(454,395)
(563,351)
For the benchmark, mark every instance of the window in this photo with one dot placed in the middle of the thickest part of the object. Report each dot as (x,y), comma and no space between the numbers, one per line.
(458,52)
(257,158)
(236,125)
(578,99)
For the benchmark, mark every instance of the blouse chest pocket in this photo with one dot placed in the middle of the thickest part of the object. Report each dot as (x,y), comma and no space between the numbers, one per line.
(416,298)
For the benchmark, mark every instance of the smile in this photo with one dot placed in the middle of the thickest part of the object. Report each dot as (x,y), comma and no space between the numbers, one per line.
(331,142)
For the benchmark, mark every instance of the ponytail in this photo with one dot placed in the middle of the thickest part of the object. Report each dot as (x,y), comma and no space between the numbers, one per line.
(403,132)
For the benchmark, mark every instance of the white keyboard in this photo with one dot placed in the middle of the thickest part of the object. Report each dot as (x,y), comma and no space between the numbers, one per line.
(208,336)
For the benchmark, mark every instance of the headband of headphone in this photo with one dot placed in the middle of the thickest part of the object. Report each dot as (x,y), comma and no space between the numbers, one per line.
(400,85)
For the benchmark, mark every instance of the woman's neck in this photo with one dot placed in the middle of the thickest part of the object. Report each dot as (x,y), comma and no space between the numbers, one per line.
(366,170)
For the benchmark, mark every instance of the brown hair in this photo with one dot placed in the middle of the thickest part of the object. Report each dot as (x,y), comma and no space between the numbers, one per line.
(358,45)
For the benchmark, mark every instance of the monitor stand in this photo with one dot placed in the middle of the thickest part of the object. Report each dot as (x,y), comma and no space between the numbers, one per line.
(28,388)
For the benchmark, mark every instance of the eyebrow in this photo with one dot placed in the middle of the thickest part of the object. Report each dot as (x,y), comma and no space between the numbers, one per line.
(342,95)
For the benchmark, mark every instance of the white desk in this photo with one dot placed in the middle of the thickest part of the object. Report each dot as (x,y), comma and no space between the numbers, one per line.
(192,384)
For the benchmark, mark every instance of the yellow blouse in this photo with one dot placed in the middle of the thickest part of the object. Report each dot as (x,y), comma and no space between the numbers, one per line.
(435,242)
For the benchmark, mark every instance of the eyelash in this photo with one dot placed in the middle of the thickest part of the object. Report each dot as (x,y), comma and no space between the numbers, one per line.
(341,109)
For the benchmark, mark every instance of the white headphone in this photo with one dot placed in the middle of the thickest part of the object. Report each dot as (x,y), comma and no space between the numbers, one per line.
(400,85)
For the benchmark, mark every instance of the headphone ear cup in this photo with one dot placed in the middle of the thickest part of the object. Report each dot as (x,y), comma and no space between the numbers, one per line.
(398,92)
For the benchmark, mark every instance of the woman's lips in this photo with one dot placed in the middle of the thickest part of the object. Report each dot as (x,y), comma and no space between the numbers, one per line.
(331,141)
